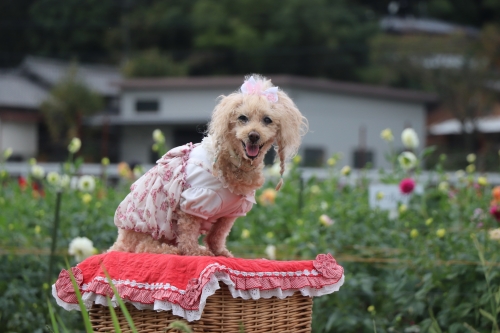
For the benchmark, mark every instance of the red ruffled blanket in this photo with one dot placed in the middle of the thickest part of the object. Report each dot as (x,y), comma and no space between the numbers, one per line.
(182,284)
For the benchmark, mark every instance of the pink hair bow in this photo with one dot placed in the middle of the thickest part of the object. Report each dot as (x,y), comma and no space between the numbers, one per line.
(252,87)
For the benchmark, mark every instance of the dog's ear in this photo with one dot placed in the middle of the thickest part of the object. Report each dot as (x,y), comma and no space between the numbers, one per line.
(219,124)
(292,127)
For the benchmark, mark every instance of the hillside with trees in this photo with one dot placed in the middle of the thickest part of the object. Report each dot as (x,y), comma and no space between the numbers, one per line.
(320,38)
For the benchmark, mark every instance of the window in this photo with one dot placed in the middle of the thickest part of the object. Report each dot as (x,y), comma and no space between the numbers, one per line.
(314,157)
(147,105)
(153,156)
(187,134)
(362,158)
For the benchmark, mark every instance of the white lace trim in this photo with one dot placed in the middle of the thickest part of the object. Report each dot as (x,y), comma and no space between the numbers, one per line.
(63,304)
(166,286)
(90,298)
(209,145)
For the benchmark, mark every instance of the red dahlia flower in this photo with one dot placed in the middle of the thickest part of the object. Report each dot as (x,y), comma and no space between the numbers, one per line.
(22,182)
(495,212)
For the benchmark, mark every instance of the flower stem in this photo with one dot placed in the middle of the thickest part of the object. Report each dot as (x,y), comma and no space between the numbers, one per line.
(54,235)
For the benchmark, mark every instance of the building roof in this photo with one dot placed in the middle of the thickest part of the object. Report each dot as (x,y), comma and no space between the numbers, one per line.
(19,92)
(49,72)
(413,25)
(489,124)
(279,80)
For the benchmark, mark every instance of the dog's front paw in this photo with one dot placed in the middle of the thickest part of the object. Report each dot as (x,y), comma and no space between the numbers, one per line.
(197,251)
(224,253)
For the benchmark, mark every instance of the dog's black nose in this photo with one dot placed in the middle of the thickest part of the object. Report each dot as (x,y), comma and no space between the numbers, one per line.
(254,137)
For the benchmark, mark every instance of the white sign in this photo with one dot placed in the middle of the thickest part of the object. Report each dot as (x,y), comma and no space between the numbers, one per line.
(392,196)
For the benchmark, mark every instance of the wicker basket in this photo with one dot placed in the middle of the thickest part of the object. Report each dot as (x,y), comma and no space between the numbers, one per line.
(222,313)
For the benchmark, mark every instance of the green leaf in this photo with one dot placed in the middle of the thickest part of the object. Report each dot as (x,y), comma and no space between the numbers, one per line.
(434,324)
(241,328)
(427,151)
(470,328)
(489,316)
(116,324)
(83,309)
(63,326)
(179,325)
(52,318)
(120,302)
(78,163)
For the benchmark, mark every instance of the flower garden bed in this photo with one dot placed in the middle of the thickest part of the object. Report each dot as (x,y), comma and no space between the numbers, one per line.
(432,262)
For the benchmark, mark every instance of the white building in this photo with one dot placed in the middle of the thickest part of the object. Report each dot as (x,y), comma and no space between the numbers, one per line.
(22,91)
(19,102)
(343,117)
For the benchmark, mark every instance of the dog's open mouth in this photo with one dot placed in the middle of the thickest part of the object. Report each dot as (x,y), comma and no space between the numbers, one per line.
(252,150)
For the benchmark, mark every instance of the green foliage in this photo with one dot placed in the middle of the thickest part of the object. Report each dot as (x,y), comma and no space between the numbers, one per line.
(181,326)
(326,38)
(25,240)
(151,63)
(442,278)
(404,278)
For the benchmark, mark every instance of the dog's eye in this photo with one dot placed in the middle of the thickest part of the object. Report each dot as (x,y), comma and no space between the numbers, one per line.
(243,118)
(267,120)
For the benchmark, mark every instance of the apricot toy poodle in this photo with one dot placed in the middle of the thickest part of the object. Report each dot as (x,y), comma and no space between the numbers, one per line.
(202,188)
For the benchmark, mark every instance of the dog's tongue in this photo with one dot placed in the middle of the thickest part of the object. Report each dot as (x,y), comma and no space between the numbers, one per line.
(252,150)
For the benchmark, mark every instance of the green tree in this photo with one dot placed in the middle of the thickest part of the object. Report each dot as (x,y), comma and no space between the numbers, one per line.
(66,105)
(71,28)
(317,38)
(326,38)
(17,31)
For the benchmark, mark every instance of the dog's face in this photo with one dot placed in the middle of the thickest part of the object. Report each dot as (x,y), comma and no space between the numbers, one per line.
(254,126)
(249,123)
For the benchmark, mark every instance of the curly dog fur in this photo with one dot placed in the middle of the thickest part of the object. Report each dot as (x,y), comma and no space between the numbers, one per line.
(238,121)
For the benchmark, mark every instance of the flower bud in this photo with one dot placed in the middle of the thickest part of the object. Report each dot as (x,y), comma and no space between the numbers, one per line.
(345,171)
(407,160)
(410,138)
(158,136)
(75,145)
(7,153)
(387,135)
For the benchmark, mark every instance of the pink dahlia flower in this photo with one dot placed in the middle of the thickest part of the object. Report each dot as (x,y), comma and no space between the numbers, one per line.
(407,185)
